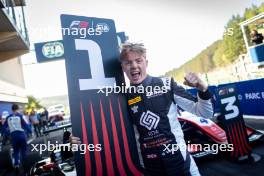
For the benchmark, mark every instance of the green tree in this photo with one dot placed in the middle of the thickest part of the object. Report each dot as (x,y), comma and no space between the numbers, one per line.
(219,57)
(221,52)
(234,44)
(33,104)
(261,8)
(251,12)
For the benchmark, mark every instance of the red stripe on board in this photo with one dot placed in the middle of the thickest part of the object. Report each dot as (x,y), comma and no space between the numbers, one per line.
(238,141)
(107,150)
(98,161)
(87,160)
(231,139)
(246,138)
(234,140)
(127,153)
(242,140)
(116,143)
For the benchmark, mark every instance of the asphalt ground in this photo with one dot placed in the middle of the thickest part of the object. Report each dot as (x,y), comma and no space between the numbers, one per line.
(220,165)
(214,165)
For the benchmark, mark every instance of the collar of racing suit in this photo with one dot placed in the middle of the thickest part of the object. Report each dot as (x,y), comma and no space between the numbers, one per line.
(145,82)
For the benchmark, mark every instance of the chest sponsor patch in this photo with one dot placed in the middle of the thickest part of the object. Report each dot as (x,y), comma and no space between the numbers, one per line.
(149,120)
(154,94)
(134,100)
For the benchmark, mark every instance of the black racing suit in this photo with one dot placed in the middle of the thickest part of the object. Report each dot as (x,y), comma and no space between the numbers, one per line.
(154,113)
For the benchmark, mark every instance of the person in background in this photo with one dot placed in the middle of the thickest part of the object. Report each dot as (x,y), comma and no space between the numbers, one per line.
(256,37)
(35,120)
(5,133)
(27,120)
(17,126)
(1,134)
(44,119)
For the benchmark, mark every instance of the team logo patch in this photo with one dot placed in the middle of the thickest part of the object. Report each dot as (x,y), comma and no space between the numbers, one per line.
(152,156)
(134,109)
(154,94)
(134,100)
(166,82)
(149,120)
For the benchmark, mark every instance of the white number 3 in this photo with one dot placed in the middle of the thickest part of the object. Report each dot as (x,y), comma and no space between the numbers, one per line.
(230,107)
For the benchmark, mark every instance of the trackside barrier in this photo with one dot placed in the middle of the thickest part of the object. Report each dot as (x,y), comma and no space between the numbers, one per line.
(250,96)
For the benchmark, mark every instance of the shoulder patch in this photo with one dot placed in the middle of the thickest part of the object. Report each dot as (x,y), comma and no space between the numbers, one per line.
(166,82)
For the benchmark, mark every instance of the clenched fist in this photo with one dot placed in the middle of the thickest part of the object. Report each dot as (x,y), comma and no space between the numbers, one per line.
(193,80)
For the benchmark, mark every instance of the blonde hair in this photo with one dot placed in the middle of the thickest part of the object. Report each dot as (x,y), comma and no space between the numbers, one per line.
(132,47)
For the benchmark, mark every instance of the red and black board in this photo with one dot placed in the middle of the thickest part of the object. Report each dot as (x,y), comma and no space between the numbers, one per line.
(91,58)
(233,122)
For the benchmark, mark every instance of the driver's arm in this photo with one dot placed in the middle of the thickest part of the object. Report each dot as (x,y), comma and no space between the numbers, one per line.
(200,105)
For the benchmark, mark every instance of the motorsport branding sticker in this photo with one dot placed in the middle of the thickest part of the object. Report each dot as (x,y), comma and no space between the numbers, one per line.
(85,28)
(149,120)
(53,50)
(154,94)
(134,109)
(152,156)
(134,100)
(103,27)
(166,82)
(79,24)
(202,120)
(49,51)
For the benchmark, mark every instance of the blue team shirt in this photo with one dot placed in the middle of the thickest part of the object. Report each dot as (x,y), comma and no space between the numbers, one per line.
(15,123)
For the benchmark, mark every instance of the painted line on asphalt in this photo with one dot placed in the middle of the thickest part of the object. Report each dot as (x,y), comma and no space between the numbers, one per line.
(253,117)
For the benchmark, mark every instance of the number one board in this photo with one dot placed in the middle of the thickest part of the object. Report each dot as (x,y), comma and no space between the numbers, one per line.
(102,122)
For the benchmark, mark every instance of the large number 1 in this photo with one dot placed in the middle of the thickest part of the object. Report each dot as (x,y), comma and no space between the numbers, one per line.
(230,107)
(96,65)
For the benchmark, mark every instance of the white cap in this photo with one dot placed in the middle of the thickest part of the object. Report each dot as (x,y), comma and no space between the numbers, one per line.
(5,114)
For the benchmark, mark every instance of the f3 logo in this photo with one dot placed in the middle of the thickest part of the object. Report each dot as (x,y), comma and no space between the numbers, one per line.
(149,120)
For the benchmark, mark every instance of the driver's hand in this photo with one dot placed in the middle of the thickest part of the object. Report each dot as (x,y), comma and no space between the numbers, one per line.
(75,140)
(193,80)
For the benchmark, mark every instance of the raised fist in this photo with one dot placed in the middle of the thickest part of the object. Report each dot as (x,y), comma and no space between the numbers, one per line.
(193,80)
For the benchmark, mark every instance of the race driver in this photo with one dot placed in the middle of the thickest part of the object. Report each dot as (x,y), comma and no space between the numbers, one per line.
(154,114)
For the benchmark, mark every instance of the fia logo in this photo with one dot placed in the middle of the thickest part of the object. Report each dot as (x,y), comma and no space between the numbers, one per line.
(103,27)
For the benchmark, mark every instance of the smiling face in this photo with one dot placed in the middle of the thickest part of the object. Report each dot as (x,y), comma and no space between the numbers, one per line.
(135,67)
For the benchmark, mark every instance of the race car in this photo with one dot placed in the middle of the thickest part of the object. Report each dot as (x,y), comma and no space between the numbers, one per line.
(199,131)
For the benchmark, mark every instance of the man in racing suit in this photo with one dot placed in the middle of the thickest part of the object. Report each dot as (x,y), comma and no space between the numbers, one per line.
(17,126)
(154,113)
